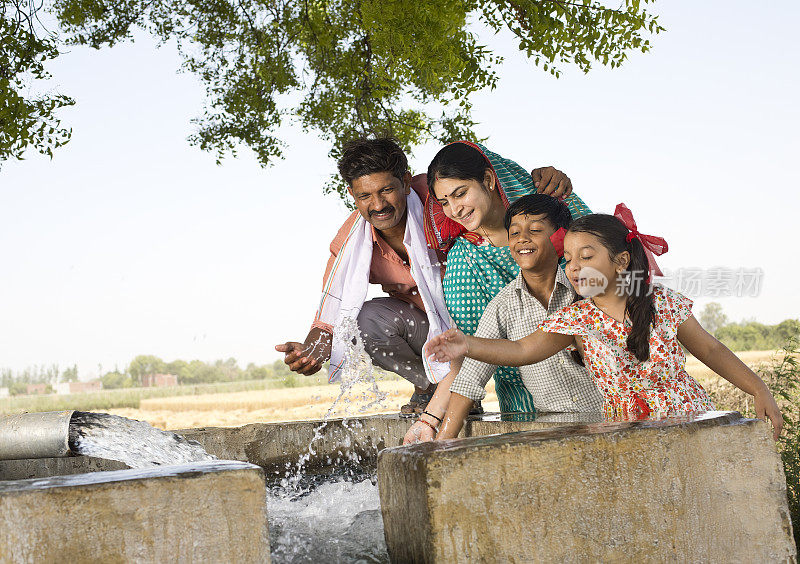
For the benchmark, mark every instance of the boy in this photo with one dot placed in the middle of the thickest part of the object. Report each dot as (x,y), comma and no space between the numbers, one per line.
(558,384)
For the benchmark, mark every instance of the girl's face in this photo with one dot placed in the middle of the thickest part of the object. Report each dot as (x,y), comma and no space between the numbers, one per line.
(467,202)
(590,268)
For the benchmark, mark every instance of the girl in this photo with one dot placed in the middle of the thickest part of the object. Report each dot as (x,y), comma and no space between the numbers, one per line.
(628,330)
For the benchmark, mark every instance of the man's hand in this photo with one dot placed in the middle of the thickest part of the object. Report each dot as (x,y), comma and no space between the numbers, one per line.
(307,358)
(766,408)
(552,182)
(448,346)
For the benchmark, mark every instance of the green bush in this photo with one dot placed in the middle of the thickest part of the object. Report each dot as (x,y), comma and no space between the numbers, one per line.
(291,380)
(784,381)
(755,336)
(782,377)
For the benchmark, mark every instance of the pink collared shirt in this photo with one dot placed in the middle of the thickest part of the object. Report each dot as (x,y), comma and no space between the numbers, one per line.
(387,268)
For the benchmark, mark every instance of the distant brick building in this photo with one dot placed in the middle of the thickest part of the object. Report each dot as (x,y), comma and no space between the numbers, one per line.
(36,389)
(159,380)
(78,387)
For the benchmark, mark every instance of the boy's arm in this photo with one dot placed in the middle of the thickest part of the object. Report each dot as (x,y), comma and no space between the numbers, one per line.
(464,390)
(721,360)
(457,411)
(471,377)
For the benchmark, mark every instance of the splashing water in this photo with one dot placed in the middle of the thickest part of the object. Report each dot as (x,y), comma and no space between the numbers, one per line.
(356,369)
(135,443)
(336,518)
(330,518)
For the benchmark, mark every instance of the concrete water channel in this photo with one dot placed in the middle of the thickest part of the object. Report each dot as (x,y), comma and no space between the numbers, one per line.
(513,489)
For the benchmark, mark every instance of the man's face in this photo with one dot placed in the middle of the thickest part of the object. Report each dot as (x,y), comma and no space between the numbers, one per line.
(381,198)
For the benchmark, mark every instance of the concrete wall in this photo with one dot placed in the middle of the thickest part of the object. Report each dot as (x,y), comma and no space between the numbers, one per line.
(203,512)
(705,490)
(47,467)
(272,445)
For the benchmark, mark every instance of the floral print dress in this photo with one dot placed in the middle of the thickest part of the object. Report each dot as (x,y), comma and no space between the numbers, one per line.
(658,385)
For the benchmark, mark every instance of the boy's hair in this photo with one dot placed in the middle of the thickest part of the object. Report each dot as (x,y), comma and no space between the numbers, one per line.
(368,156)
(537,204)
(639,306)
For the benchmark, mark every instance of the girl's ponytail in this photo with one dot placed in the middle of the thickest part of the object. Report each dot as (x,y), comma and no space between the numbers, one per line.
(639,306)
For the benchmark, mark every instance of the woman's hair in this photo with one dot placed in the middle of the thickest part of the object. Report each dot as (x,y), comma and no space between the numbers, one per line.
(639,306)
(457,160)
(535,204)
(361,157)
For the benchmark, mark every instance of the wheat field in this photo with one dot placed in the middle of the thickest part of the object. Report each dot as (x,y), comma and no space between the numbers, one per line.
(286,404)
(314,402)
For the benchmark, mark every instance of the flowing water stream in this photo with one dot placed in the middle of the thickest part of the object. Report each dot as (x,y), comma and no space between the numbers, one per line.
(135,443)
(333,516)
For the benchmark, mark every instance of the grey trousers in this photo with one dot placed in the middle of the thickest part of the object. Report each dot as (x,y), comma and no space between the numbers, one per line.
(394,333)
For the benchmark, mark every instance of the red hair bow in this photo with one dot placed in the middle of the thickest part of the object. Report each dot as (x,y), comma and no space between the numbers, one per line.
(557,239)
(652,244)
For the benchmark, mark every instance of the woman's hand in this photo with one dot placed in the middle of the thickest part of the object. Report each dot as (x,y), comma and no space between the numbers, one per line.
(448,346)
(418,433)
(767,408)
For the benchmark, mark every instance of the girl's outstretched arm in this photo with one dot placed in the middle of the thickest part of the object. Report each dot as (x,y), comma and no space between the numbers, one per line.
(536,347)
(721,360)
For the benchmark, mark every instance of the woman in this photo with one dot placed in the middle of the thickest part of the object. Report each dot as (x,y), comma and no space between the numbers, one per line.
(470,189)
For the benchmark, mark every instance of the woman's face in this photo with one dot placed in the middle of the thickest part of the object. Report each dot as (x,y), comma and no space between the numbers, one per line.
(467,202)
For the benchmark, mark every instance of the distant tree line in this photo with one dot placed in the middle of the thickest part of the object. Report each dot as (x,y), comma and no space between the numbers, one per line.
(747,335)
(192,372)
(17,382)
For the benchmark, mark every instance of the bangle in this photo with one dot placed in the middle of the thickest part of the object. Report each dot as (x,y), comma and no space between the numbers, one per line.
(439,419)
(428,424)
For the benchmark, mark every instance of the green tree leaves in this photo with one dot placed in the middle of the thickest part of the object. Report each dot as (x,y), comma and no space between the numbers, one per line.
(747,335)
(345,68)
(712,318)
(27,118)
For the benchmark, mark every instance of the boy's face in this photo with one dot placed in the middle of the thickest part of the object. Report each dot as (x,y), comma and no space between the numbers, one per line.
(529,242)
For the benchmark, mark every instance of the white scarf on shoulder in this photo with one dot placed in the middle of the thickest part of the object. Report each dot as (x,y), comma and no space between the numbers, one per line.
(346,287)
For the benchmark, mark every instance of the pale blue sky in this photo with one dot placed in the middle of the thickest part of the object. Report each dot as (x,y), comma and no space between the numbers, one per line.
(132,242)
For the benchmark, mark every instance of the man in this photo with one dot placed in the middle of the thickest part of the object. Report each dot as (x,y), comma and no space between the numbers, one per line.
(394,328)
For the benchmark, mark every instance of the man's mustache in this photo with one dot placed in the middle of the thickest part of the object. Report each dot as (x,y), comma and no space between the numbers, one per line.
(384,210)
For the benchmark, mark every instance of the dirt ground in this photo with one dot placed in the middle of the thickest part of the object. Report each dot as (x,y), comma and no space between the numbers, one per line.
(292,404)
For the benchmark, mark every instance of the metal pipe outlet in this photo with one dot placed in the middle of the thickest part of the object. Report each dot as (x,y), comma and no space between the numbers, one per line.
(35,435)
